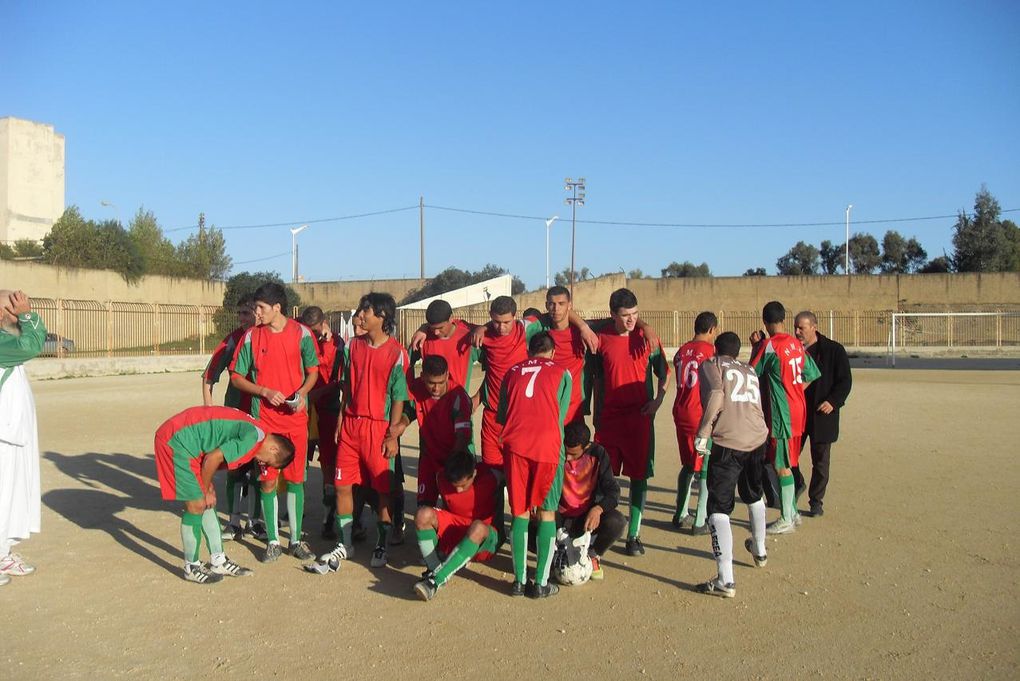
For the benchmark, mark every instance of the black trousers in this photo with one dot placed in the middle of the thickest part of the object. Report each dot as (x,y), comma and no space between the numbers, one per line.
(729,469)
(611,527)
(819,471)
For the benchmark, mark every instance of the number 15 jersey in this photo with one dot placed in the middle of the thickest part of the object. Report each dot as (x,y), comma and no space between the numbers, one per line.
(533,404)
(787,370)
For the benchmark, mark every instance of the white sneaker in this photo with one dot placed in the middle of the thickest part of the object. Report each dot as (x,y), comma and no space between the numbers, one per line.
(797,520)
(200,574)
(780,527)
(4,579)
(229,568)
(714,587)
(15,566)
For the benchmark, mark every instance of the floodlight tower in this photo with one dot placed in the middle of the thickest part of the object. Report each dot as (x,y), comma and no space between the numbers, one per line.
(575,199)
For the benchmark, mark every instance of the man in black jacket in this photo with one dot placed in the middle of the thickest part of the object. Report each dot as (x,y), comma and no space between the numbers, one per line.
(825,397)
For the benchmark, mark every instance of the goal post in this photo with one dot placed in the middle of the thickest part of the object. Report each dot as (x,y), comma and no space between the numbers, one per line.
(920,330)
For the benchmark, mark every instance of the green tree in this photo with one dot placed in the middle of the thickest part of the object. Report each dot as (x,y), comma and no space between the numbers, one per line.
(685,269)
(901,255)
(563,278)
(755,272)
(7,252)
(864,254)
(203,255)
(244,284)
(984,243)
(28,248)
(832,257)
(636,274)
(158,253)
(76,242)
(801,259)
(939,265)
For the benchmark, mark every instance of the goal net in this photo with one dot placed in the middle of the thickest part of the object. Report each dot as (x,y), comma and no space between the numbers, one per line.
(911,331)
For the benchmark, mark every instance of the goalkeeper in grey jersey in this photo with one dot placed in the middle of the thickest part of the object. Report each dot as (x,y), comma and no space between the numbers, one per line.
(733,419)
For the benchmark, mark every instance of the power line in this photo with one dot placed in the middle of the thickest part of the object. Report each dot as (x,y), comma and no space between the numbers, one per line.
(299,222)
(707,225)
(268,257)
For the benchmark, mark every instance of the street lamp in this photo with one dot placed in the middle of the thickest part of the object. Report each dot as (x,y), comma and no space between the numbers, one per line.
(575,199)
(846,257)
(294,231)
(548,228)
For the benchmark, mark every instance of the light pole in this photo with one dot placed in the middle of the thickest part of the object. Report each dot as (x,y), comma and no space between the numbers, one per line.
(575,199)
(548,228)
(294,231)
(846,257)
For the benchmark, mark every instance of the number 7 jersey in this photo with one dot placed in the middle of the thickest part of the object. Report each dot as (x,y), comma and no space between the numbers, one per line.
(533,404)
(787,370)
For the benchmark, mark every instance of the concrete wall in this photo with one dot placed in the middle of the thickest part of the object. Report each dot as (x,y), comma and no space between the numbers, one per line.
(31,179)
(46,281)
(344,295)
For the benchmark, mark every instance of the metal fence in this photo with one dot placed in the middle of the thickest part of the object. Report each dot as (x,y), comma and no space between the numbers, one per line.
(89,328)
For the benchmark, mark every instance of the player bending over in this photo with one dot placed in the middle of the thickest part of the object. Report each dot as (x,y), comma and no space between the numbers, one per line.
(189,448)
(462,530)
(734,421)
(533,405)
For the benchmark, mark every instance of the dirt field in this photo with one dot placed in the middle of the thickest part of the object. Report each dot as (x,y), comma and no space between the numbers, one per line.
(912,573)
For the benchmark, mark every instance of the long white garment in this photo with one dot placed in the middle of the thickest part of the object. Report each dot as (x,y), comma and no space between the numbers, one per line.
(20,507)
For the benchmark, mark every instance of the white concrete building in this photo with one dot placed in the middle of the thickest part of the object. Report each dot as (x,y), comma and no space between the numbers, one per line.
(31,179)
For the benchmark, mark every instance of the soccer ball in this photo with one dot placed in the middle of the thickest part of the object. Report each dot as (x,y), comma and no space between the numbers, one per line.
(571,564)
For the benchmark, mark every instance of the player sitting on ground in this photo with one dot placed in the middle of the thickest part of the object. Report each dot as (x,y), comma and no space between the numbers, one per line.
(241,481)
(533,405)
(780,359)
(443,412)
(626,400)
(189,448)
(462,530)
(734,421)
(590,494)
(278,355)
(687,417)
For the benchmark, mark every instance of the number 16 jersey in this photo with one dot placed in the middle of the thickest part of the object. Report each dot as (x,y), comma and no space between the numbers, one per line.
(533,404)
(687,406)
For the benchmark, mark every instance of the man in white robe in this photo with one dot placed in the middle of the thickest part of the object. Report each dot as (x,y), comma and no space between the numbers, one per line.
(22,335)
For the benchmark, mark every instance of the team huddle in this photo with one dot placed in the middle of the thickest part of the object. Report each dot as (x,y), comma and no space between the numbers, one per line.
(295,387)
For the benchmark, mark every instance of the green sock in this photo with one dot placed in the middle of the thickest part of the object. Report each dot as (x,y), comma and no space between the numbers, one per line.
(787,496)
(428,540)
(464,552)
(295,509)
(701,515)
(269,513)
(230,491)
(384,529)
(345,524)
(211,530)
(637,506)
(191,536)
(546,545)
(683,492)
(519,547)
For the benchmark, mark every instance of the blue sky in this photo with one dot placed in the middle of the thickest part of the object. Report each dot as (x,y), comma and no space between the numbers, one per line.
(755,113)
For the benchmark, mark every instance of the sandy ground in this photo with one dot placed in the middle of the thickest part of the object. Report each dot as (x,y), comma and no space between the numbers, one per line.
(911,574)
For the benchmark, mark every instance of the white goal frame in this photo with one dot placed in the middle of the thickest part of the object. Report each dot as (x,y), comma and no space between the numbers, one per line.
(898,318)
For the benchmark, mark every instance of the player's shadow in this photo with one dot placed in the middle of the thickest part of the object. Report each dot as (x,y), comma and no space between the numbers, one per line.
(96,508)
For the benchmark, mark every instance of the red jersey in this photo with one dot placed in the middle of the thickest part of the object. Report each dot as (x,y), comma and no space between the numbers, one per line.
(221,358)
(329,352)
(477,502)
(687,405)
(569,355)
(624,368)
(439,419)
(456,350)
(498,354)
(580,479)
(280,361)
(374,377)
(781,360)
(533,406)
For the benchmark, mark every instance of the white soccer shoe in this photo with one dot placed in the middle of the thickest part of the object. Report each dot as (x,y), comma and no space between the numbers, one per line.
(781,527)
(14,565)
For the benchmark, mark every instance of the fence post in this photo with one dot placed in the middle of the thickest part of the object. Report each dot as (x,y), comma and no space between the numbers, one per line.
(155,328)
(201,330)
(857,328)
(998,329)
(109,328)
(831,335)
(676,327)
(60,328)
(949,331)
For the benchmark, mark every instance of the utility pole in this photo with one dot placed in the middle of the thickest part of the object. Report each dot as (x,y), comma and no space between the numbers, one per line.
(201,228)
(846,255)
(575,199)
(421,237)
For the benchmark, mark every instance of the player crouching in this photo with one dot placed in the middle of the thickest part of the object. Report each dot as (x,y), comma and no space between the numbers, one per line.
(190,447)
(462,530)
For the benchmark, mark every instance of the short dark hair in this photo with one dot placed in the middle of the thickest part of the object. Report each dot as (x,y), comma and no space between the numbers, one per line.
(459,465)
(287,446)
(704,322)
(622,298)
(438,311)
(773,312)
(808,315)
(531,312)
(312,315)
(557,291)
(382,305)
(271,293)
(434,365)
(727,343)
(503,305)
(576,434)
(539,343)
(246,301)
